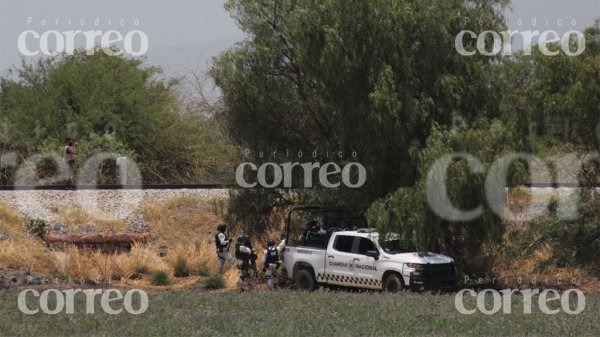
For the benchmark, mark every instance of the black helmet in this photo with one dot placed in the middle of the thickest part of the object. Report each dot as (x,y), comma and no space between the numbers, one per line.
(246,239)
(243,239)
(271,243)
(221,227)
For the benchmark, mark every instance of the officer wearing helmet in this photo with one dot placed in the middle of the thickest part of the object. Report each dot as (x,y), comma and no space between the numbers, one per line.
(313,234)
(270,261)
(244,255)
(222,244)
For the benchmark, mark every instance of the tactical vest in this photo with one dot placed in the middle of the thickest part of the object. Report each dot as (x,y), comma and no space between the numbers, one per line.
(272,255)
(220,247)
(239,254)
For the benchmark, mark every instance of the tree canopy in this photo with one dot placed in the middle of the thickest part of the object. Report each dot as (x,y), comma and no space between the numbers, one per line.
(382,78)
(365,76)
(88,96)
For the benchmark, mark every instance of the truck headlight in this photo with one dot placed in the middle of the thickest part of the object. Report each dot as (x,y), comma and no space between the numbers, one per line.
(416,266)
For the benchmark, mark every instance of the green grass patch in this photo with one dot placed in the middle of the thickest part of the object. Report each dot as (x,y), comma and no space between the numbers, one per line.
(214,282)
(290,313)
(161,278)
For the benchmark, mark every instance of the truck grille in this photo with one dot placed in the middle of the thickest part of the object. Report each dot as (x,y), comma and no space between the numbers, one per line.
(439,269)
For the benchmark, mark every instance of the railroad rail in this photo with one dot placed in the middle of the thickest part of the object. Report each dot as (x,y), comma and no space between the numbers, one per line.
(202,186)
(121,187)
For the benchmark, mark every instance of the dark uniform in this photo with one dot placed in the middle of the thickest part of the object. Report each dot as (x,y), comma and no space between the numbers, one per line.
(244,255)
(271,261)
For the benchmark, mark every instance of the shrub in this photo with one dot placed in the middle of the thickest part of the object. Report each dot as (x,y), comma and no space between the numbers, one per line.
(214,282)
(181,267)
(203,271)
(38,228)
(107,172)
(47,167)
(139,272)
(572,243)
(161,278)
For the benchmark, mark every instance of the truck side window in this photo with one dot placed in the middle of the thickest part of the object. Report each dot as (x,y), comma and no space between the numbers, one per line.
(343,243)
(364,245)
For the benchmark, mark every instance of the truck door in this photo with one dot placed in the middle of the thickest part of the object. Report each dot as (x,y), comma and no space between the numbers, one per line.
(339,261)
(365,267)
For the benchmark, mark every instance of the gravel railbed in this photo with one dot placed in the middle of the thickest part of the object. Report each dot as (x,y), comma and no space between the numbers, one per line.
(111,204)
(125,204)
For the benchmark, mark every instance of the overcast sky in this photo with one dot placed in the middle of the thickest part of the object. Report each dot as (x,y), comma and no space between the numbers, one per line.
(185,34)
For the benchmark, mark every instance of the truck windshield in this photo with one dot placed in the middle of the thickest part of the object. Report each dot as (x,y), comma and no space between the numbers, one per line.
(392,247)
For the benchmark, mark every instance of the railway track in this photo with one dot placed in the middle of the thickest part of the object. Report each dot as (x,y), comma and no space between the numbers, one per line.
(200,186)
(121,187)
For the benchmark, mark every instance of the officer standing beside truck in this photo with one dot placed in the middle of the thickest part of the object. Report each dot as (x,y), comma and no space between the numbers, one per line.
(270,261)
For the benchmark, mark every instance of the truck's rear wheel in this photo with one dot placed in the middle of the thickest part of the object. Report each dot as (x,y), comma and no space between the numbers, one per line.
(305,280)
(392,284)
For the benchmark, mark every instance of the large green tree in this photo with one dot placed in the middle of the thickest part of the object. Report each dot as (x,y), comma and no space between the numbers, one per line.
(549,105)
(365,76)
(87,96)
(382,78)
(418,213)
(555,99)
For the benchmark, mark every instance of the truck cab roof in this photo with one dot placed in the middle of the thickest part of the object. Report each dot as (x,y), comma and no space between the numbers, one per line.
(363,232)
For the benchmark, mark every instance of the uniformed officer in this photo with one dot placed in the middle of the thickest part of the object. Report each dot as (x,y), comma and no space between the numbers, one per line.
(244,254)
(222,244)
(270,261)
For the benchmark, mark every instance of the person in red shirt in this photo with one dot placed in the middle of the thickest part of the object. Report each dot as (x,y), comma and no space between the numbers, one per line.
(70,154)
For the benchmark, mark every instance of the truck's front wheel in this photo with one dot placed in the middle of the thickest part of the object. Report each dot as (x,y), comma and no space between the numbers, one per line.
(305,280)
(392,284)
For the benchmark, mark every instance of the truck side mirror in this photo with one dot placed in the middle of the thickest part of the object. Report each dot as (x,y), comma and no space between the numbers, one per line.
(372,253)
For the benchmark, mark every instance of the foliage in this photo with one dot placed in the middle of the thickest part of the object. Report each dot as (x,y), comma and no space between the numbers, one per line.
(161,278)
(568,89)
(181,268)
(410,213)
(203,271)
(139,271)
(38,228)
(555,99)
(365,76)
(249,210)
(88,97)
(381,78)
(214,282)
(107,171)
(573,243)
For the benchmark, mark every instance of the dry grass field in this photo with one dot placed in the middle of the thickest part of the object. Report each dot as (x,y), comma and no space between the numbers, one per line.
(184,227)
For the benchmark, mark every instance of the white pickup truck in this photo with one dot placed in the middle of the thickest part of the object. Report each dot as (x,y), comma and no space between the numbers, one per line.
(357,258)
